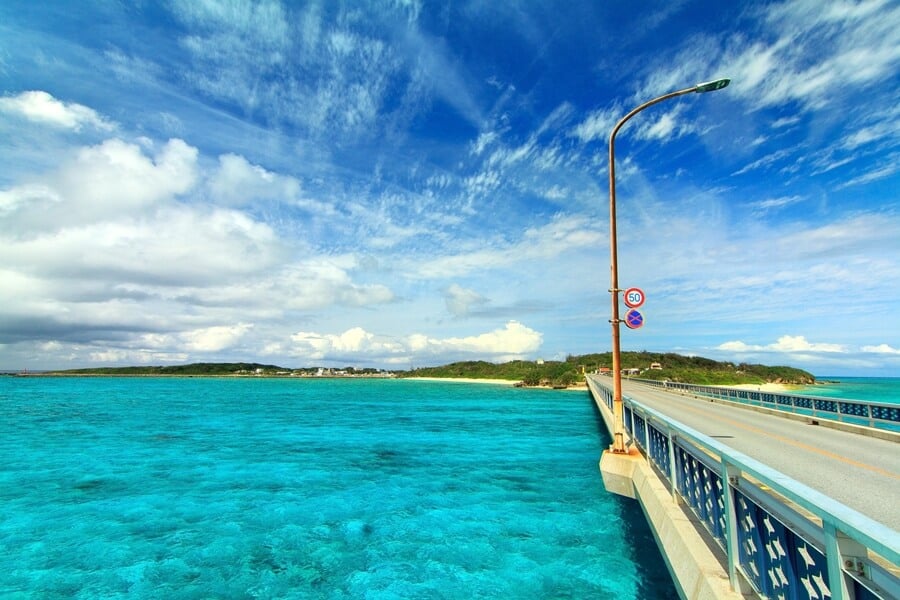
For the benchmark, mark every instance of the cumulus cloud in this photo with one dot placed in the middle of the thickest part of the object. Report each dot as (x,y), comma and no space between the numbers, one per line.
(237,182)
(514,340)
(786,344)
(136,357)
(174,246)
(213,339)
(100,183)
(124,239)
(40,107)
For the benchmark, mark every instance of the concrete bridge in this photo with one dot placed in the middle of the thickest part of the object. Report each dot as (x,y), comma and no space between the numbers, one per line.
(750,502)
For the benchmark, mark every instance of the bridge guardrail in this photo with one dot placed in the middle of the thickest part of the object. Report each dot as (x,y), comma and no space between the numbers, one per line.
(756,515)
(882,415)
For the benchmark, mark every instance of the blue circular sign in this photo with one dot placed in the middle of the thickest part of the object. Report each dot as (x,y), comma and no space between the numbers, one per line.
(633,319)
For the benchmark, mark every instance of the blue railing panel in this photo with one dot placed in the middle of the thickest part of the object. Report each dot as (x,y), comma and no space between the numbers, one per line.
(825,405)
(640,429)
(702,489)
(778,562)
(659,449)
(886,413)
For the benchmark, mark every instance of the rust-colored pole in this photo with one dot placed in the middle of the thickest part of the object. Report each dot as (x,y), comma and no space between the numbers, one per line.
(618,412)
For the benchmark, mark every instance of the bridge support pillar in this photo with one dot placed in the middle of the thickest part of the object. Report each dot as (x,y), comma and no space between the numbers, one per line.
(617,470)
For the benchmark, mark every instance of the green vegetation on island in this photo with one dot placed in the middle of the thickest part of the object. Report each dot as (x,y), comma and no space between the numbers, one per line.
(647,365)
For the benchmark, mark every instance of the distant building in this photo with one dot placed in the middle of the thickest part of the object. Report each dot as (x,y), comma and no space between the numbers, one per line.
(656,367)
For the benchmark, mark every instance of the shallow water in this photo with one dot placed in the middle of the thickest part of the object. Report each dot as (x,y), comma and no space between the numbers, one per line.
(867,389)
(271,488)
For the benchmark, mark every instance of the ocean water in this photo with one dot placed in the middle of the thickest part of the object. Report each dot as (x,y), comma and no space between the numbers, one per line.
(276,488)
(869,389)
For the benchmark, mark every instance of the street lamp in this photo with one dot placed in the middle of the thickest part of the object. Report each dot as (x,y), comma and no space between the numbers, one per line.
(618,412)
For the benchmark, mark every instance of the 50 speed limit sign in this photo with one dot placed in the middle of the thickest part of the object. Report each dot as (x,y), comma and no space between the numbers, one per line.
(634,297)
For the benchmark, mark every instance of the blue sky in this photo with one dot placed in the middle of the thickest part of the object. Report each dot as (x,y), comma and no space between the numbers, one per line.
(403,183)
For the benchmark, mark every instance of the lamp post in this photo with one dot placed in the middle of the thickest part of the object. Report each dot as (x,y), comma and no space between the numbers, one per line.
(618,412)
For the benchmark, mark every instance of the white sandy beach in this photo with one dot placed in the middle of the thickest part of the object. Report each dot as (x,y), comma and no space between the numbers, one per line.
(579,387)
(464,380)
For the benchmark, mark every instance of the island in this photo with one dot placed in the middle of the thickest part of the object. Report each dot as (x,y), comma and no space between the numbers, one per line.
(567,373)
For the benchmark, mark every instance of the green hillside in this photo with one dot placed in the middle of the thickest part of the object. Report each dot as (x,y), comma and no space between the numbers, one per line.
(674,367)
(208,369)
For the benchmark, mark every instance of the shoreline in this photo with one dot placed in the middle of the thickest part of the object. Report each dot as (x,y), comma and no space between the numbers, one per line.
(579,387)
(783,388)
(463,380)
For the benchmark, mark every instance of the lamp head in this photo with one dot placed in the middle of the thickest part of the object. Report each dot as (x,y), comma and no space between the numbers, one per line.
(711,86)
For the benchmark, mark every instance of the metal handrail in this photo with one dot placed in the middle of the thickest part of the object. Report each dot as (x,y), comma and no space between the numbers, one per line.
(882,415)
(744,491)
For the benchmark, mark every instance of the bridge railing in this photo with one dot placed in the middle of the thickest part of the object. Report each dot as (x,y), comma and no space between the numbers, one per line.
(783,538)
(883,415)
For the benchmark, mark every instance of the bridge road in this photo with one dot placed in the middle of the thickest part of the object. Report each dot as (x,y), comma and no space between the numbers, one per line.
(859,471)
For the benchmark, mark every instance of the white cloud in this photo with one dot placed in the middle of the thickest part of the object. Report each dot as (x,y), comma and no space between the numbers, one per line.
(213,339)
(40,107)
(111,180)
(174,246)
(562,234)
(512,341)
(237,182)
(667,126)
(355,342)
(598,125)
(136,357)
(773,204)
(786,344)
(890,167)
(460,301)
(485,139)
(202,340)
(798,343)
(817,50)
(881,349)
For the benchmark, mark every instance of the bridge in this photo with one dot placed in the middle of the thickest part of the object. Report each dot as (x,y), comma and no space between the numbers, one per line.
(754,495)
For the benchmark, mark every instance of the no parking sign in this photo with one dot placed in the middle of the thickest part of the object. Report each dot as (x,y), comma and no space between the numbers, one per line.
(634,319)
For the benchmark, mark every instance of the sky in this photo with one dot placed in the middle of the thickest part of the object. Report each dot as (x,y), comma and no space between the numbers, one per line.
(400,183)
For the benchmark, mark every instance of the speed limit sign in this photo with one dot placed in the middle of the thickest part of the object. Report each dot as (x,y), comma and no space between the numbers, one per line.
(634,297)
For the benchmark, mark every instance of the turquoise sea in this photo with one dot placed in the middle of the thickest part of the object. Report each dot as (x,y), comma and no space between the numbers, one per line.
(869,389)
(280,488)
